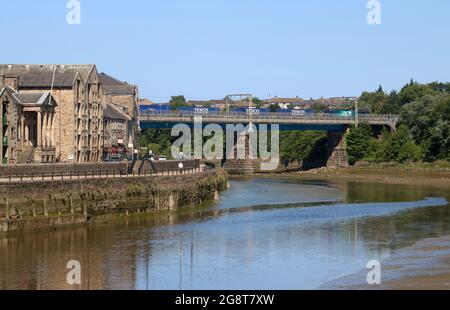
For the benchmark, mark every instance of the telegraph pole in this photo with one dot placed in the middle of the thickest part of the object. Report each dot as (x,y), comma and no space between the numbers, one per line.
(250,110)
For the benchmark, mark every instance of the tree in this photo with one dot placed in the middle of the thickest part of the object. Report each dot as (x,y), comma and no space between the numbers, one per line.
(403,147)
(298,145)
(358,141)
(256,102)
(319,107)
(398,147)
(177,102)
(274,107)
(157,140)
(428,119)
(373,102)
(392,106)
(413,91)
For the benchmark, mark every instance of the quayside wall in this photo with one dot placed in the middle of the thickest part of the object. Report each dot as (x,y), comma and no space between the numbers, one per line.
(39,204)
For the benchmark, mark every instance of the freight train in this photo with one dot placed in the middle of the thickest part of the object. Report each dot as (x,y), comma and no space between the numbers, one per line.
(240,110)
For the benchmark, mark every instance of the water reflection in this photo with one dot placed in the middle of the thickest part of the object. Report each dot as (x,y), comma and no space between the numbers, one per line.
(318,232)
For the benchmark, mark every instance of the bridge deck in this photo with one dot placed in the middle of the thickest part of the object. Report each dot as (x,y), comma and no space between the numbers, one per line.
(321,119)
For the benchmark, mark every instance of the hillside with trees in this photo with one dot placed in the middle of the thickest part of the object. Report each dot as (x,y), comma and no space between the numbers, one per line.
(423,133)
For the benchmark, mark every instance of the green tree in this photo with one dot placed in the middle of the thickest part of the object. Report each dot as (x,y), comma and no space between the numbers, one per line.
(274,108)
(319,107)
(373,102)
(177,101)
(413,91)
(358,141)
(403,147)
(296,146)
(157,140)
(256,102)
(428,119)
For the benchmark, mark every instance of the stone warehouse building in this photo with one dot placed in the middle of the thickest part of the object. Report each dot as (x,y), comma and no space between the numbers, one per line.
(55,112)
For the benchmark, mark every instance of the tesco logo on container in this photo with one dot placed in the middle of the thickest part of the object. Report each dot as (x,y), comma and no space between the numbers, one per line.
(298,112)
(252,111)
(201,110)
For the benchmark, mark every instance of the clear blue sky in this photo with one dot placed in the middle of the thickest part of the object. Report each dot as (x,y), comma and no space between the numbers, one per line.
(209,48)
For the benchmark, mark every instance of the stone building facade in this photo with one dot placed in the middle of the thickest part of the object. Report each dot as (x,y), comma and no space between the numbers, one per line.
(121,95)
(77,123)
(28,122)
(117,127)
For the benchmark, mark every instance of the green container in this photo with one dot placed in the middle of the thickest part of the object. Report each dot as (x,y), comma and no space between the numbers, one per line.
(5,140)
(4,161)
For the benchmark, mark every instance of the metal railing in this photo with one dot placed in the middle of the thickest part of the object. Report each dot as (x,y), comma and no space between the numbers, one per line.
(96,174)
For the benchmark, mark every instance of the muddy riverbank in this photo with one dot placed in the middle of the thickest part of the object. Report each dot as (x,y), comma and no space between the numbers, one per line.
(425,265)
(432,177)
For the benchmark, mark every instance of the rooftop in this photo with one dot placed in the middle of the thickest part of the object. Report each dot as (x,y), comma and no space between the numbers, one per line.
(114,113)
(41,75)
(113,86)
(31,99)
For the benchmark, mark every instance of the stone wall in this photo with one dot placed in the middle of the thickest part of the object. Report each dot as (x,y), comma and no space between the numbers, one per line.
(66,169)
(161,166)
(50,204)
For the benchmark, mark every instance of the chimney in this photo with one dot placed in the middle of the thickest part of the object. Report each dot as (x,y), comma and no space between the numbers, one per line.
(12,82)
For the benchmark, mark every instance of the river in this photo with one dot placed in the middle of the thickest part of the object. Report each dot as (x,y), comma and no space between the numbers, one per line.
(263,234)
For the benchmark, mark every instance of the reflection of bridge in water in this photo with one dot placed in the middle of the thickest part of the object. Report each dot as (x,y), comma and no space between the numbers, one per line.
(335,124)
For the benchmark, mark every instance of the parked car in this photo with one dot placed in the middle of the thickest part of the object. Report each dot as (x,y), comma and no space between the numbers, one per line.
(115,157)
(162,158)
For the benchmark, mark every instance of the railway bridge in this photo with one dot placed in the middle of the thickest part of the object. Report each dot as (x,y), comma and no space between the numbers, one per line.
(334,124)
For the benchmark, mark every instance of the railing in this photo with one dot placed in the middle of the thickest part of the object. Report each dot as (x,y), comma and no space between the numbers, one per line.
(96,174)
(264,116)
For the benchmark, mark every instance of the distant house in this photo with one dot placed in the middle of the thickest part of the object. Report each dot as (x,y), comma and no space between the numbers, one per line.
(337,102)
(285,103)
(145,102)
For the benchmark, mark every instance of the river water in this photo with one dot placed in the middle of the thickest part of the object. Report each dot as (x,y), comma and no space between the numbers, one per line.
(263,234)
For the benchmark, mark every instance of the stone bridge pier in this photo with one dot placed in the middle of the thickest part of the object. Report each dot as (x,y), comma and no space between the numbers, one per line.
(335,157)
(235,164)
(336,150)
